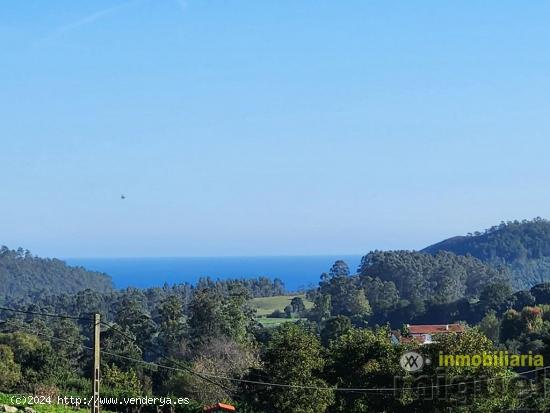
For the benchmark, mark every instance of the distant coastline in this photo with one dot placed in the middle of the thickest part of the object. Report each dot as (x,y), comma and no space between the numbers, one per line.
(297,272)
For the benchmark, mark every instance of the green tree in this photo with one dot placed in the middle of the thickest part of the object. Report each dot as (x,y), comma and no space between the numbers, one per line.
(382,295)
(288,311)
(69,347)
(239,318)
(532,319)
(38,361)
(441,278)
(346,297)
(297,304)
(222,357)
(171,322)
(511,325)
(10,370)
(206,319)
(523,299)
(23,277)
(131,313)
(321,307)
(333,328)
(541,292)
(120,341)
(119,383)
(363,358)
(339,269)
(490,326)
(484,398)
(496,296)
(213,315)
(294,357)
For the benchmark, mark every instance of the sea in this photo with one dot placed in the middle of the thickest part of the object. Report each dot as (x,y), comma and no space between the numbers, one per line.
(297,272)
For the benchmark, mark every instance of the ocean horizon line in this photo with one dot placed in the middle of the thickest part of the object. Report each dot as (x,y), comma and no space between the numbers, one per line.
(296,271)
(128,257)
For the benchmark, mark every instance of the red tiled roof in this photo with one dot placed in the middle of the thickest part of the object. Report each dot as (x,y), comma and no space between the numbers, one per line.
(220,406)
(435,328)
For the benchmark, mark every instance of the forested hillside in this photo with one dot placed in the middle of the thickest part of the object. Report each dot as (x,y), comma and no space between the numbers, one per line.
(522,246)
(206,344)
(399,287)
(325,350)
(23,275)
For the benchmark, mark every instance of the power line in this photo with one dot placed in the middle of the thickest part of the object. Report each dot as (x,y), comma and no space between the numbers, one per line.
(65,316)
(207,377)
(182,366)
(187,370)
(103,352)
(284,385)
(340,389)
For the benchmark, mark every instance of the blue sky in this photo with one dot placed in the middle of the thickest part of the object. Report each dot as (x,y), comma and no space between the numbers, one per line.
(269,127)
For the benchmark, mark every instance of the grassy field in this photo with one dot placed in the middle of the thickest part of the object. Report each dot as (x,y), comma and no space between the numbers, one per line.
(274,322)
(266,305)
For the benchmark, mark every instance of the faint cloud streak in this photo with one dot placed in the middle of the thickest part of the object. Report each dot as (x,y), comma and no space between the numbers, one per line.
(91,18)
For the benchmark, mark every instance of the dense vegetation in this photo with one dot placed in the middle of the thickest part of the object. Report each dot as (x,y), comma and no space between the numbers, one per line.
(23,275)
(215,349)
(215,341)
(257,287)
(522,246)
(399,287)
(206,341)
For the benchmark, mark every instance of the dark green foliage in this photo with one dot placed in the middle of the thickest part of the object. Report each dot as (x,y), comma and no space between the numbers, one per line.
(470,396)
(256,287)
(119,383)
(322,307)
(297,305)
(339,269)
(522,246)
(530,272)
(277,314)
(507,242)
(206,319)
(490,326)
(383,296)
(441,278)
(131,313)
(522,299)
(293,356)
(171,326)
(39,362)
(69,347)
(527,331)
(333,328)
(363,358)
(213,315)
(212,330)
(399,287)
(511,325)
(23,275)
(495,296)
(288,311)
(541,292)
(339,294)
(11,371)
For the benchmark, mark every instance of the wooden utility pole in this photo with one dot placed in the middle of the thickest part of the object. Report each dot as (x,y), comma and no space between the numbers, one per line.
(95,377)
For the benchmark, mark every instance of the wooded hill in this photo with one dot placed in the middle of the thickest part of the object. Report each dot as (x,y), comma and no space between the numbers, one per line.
(23,275)
(522,246)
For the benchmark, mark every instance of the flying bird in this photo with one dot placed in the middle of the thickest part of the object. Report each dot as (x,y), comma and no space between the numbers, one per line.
(122,196)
